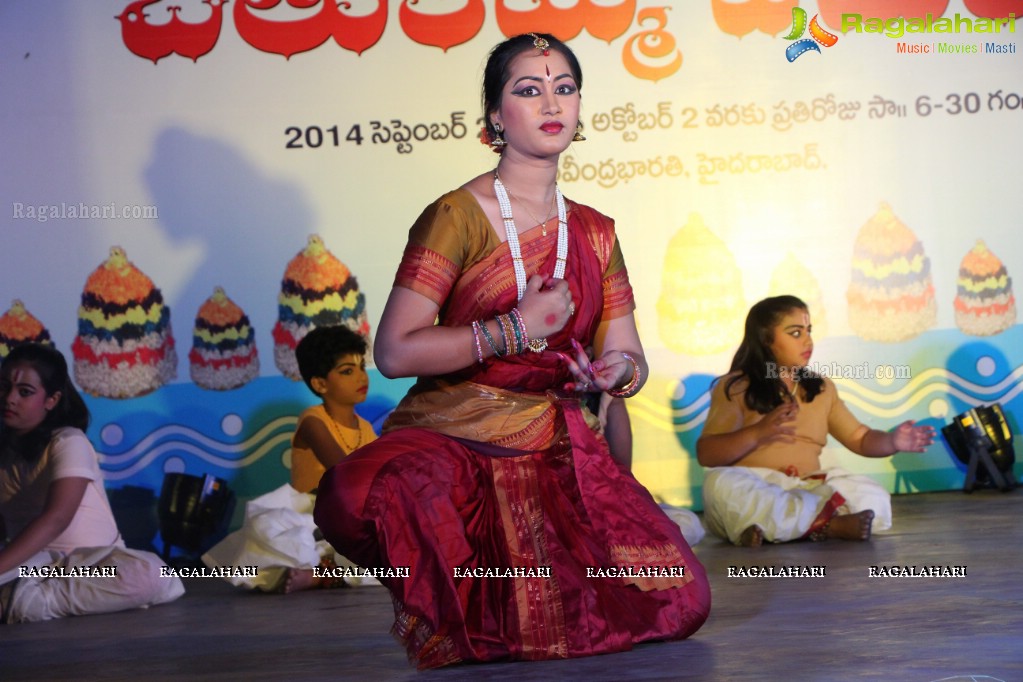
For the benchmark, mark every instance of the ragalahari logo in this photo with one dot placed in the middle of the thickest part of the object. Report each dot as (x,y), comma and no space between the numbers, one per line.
(818,36)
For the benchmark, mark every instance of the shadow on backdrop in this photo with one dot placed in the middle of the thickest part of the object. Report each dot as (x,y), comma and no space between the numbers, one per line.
(249,224)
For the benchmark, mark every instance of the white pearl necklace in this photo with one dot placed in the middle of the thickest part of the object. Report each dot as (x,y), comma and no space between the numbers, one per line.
(513,235)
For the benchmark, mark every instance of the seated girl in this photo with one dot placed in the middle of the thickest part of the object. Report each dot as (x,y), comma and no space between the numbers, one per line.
(54,507)
(769,419)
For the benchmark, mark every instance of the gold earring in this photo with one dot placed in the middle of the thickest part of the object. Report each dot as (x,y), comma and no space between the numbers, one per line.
(498,141)
(578,137)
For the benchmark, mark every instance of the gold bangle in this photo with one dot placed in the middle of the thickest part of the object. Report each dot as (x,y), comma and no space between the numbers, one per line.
(632,388)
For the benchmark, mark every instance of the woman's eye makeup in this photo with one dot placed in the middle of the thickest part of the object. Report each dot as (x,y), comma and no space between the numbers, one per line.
(533,91)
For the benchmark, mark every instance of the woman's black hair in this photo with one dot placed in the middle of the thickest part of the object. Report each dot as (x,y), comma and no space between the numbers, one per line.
(70,410)
(318,351)
(753,360)
(495,73)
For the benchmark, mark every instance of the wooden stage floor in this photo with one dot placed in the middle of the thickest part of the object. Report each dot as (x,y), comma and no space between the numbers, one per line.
(843,626)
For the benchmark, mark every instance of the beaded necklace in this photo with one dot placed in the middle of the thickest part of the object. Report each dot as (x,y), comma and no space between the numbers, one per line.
(335,428)
(512,234)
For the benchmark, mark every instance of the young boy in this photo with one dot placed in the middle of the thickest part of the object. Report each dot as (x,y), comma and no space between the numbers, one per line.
(332,362)
(279,535)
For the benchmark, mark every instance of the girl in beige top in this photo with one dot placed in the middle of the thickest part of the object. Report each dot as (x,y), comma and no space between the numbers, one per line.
(769,418)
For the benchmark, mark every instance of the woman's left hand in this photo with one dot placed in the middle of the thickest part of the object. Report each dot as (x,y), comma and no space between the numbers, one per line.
(908,437)
(608,371)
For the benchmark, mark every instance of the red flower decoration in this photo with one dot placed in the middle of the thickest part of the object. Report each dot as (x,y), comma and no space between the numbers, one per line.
(487,138)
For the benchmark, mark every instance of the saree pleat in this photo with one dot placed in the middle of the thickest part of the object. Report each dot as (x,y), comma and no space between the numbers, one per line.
(493,468)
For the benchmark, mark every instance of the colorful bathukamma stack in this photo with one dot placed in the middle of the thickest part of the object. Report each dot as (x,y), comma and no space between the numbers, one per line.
(223,354)
(792,278)
(125,346)
(891,296)
(701,307)
(18,326)
(317,291)
(984,302)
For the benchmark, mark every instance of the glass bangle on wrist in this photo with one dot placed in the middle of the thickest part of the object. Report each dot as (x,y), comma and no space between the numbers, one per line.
(489,338)
(632,388)
(476,339)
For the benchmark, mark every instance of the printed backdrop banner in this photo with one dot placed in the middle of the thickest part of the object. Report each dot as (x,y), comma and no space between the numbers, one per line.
(188,186)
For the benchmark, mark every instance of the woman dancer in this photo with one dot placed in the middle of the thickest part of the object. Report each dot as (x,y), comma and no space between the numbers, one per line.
(523,538)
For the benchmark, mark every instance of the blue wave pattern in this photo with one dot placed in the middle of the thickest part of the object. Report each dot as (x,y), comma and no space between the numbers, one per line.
(242,435)
(177,440)
(934,383)
(902,402)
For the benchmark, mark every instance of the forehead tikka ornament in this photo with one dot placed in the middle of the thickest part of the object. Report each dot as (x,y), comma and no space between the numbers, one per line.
(541,44)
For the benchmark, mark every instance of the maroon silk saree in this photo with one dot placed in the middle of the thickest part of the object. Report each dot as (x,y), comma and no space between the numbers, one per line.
(523,539)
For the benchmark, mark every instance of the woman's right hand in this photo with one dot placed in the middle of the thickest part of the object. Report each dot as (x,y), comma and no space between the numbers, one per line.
(545,306)
(778,425)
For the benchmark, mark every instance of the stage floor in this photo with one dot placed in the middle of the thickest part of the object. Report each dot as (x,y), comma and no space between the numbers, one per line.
(845,625)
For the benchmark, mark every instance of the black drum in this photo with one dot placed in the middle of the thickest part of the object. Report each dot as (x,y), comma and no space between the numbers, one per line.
(193,511)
